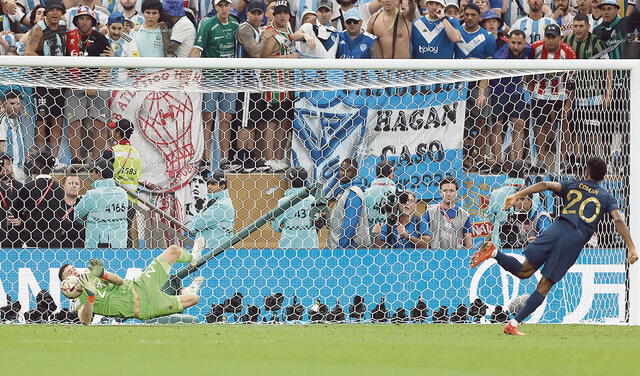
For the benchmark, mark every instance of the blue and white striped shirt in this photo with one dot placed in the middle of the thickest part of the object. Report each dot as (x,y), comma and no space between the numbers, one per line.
(13,133)
(533,29)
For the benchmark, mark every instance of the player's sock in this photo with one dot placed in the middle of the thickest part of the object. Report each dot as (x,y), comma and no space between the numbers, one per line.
(196,251)
(508,263)
(185,256)
(531,304)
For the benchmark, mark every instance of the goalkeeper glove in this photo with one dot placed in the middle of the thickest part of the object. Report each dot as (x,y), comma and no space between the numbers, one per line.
(96,267)
(88,286)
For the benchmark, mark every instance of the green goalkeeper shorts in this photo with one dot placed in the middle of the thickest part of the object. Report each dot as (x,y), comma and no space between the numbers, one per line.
(154,302)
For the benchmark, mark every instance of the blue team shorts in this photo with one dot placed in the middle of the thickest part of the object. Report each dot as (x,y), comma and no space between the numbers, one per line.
(225,102)
(557,249)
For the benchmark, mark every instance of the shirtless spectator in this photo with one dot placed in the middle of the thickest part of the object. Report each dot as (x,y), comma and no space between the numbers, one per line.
(392,26)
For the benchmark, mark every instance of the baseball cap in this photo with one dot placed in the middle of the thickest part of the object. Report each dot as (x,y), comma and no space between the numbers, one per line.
(255,5)
(552,29)
(281,6)
(609,2)
(173,8)
(116,17)
(451,3)
(219,1)
(216,177)
(441,2)
(325,4)
(491,15)
(54,4)
(352,14)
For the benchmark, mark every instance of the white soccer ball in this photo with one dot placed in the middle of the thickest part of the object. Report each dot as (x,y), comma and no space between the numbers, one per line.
(517,303)
(71,287)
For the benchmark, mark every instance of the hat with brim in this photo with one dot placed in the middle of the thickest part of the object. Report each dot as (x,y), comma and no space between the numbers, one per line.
(281,6)
(255,6)
(115,18)
(552,30)
(609,2)
(85,11)
(491,15)
(352,14)
(173,8)
(54,4)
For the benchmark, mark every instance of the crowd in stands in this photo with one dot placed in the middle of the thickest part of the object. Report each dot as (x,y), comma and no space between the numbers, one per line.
(33,120)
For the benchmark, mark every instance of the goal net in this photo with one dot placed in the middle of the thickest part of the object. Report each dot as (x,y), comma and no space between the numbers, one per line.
(407,165)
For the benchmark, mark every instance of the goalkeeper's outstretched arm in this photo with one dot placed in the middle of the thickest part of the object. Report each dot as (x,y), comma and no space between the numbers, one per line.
(96,267)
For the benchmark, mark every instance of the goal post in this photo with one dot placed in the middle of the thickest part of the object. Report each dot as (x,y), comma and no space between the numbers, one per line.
(423,116)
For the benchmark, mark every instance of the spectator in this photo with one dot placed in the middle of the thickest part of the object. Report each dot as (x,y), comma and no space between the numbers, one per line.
(348,224)
(100,14)
(278,106)
(612,29)
(595,15)
(430,39)
(410,231)
(131,14)
(48,38)
(10,206)
(355,44)
(492,22)
(216,38)
(183,33)
(42,200)
(451,9)
(296,224)
(103,209)
(216,220)
(535,23)
(521,224)
(550,97)
(564,13)
(513,10)
(508,101)
(395,41)
(364,10)
(376,195)
(326,35)
(13,132)
(35,16)
(121,43)
(593,94)
(13,17)
(149,36)
(250,45)
(450,224)
(73,231)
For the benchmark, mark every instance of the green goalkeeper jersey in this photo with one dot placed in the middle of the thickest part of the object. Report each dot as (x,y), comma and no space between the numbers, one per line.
(111,300)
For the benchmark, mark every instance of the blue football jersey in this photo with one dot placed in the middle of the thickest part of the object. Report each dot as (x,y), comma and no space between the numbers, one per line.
(480,44)
(356,48)
(584,204)
(429,39)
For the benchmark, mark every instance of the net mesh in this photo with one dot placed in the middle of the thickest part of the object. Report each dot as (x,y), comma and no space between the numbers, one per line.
(388,251)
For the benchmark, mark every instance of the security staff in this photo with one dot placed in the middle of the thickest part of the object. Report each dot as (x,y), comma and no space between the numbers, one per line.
(104,208)
(127,165)
(376,195)
(295,224)
(216,220)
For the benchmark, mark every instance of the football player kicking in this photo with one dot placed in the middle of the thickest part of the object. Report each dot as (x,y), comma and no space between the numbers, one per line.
(584,204)
(109,295)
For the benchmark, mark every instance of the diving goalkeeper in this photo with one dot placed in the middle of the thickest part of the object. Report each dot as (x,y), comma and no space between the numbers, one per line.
(109,295)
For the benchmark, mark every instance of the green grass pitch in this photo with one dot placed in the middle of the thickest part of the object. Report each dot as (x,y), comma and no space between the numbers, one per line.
(317,350)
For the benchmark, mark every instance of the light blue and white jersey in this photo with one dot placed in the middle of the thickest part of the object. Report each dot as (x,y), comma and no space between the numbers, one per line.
(533,29)
(356,48)
(111,5)
(149,42)
(101,13)
(203,8)
(136,19)
(299,6)
(479,44)
(30,4)
(429,39)
(12,132)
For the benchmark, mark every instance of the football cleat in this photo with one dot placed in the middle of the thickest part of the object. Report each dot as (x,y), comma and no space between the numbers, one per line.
(486,251)
(196,251)
(512,330)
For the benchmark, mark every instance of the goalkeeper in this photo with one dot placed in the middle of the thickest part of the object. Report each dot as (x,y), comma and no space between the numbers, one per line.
(109,295)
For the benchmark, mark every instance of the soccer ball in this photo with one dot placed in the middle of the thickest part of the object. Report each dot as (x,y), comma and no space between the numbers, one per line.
(71,287)
(517,303)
